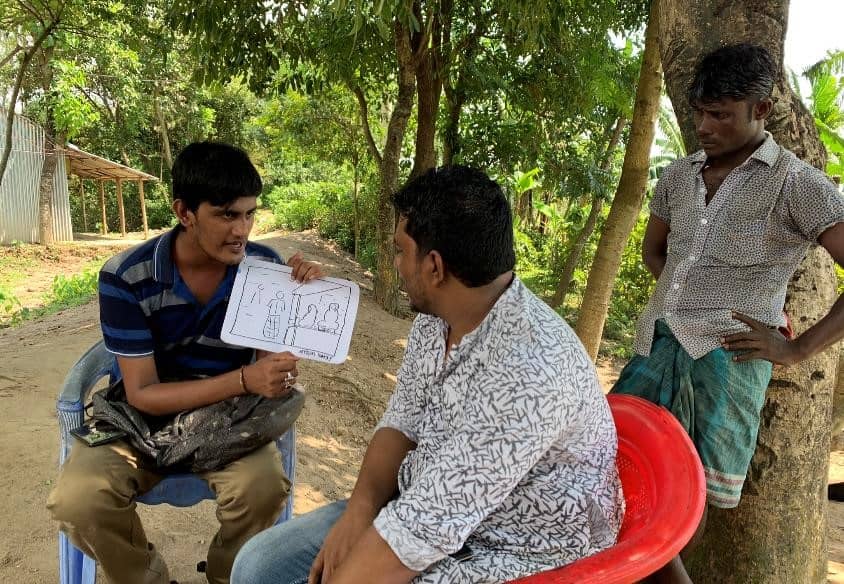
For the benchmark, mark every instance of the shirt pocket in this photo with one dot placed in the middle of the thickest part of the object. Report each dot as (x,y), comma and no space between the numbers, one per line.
(743,243)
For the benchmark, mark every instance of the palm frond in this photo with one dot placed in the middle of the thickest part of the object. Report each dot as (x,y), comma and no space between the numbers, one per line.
(832,64)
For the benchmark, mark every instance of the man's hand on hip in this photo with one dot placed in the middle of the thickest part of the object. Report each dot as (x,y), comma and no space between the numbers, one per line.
(761,342)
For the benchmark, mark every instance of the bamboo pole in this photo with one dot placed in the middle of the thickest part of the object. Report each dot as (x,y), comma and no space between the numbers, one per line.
(84,212)
(143,207)
(104,226)
(120,208)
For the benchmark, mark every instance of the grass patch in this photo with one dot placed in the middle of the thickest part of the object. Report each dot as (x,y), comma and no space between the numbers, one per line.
(65,292)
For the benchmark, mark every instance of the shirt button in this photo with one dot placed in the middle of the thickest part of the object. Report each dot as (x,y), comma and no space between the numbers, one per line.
(692,258)
(676,286)
(703,221)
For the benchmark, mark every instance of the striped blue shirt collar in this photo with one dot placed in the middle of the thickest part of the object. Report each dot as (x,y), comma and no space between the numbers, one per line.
(164,269)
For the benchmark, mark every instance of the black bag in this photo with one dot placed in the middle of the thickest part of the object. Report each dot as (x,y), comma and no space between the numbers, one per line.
(204,439)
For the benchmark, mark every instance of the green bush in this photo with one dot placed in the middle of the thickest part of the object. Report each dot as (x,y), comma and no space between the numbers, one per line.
(159,211)
(329,208)
(10,307)
(298,206)
(337,222)
(64,293)
(73,291)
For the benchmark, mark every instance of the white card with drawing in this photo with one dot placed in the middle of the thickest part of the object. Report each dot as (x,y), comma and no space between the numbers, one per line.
(268,310)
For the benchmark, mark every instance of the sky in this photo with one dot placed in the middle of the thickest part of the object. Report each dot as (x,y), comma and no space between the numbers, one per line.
(814,27)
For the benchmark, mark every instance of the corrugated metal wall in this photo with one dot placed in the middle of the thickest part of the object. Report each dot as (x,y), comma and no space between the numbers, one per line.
(19,191)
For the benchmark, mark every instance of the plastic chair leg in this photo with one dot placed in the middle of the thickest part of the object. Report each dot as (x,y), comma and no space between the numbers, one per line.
(74,566)
(287,446)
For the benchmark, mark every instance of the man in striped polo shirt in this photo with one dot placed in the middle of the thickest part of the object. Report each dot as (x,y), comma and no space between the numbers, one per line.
(162,306)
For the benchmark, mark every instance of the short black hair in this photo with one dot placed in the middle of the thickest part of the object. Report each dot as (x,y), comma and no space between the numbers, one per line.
(742,71)
(213,172)
(462,214)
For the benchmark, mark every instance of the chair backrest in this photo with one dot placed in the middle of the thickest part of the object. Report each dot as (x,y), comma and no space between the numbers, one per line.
(95,364)
(664,490)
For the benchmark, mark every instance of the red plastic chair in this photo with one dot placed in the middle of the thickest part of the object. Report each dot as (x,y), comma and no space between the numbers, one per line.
(665,491)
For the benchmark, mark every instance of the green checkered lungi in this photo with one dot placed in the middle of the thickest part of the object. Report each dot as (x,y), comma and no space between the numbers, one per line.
(717,400)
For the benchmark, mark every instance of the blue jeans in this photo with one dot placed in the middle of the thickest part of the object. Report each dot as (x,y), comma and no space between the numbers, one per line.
(283,554)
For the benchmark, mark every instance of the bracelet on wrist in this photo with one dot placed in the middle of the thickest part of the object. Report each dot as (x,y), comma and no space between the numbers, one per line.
(243,387)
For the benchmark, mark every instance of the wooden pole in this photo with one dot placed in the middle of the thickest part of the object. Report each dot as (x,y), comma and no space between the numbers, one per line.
(120,208)
(143,208)
(104,226)
(84,212)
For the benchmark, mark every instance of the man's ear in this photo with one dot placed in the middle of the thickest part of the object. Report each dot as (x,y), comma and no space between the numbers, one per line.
(763,108)
(183,213)
(435,268)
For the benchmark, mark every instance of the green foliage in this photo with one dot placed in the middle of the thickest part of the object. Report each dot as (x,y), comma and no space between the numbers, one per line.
(826,102)
(74,290)
(159,209)
(10,308)
(298,206)
(65,292)
(72,111)
(839,272)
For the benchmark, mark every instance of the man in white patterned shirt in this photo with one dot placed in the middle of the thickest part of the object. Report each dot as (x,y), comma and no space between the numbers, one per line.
(728,227)
(496,456)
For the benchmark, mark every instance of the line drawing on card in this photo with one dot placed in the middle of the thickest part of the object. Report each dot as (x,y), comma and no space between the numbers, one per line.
(318,316)
(276,306)
(271,311)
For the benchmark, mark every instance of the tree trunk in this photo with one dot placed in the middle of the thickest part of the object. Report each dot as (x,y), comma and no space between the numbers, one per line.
(46,236)
(355,199)
(778,532)
(386,280)
(574,255)
(13,99)
(428,90)
(162,130)
(429,64)
(52,150)
(576,251)
(454,99)
(628,197)
(838,399)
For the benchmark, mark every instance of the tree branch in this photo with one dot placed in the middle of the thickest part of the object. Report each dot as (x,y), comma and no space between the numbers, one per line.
(11,55)
(102,107)
(10,113)
(34,13)
(364,122)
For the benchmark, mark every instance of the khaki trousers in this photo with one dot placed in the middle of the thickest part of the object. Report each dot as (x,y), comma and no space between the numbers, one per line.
(94,503)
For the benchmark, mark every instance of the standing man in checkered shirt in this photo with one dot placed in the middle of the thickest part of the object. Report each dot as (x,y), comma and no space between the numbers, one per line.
(728,227)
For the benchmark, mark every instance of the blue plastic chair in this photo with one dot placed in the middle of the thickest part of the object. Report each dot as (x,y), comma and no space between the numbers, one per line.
(182,490)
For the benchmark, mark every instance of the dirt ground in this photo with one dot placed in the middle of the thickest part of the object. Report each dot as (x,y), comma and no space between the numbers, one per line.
(343,403)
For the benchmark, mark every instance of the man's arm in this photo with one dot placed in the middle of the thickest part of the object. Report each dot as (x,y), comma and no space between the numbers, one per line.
(268,376)
(145,391)
(763,343)
(377,483)
(655,245)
